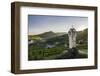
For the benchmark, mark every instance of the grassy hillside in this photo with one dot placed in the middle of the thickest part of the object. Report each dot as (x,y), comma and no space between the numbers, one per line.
(49,45)
(82,39)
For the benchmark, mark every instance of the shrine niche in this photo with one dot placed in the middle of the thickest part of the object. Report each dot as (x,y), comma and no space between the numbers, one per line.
(72,33)
(72,37)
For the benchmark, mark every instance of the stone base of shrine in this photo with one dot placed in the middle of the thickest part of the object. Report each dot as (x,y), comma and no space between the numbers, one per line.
(73,52)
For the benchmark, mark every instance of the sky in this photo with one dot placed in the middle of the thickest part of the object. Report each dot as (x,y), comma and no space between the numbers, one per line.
(43,23)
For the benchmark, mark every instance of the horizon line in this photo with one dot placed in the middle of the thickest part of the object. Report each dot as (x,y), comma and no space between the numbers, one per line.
(56,32)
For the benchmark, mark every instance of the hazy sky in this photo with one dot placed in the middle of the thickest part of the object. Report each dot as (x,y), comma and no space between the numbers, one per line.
(38,23)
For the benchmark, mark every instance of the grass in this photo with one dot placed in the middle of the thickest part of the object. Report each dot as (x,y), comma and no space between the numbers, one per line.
(41,53)
(38,53)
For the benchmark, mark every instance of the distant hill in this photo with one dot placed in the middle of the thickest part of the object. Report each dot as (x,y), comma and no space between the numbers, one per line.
(61,37)
(46,35)
(82,35)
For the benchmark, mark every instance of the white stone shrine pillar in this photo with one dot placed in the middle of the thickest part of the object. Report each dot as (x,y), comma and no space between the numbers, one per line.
(72,37)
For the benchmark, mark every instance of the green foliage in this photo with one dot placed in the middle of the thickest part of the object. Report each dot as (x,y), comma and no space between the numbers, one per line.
(37,53)
(82,36)
(39,50)
(31,37)
(82,46)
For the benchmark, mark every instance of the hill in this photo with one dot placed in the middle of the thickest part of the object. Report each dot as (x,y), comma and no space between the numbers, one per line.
(45,35)
(49,45)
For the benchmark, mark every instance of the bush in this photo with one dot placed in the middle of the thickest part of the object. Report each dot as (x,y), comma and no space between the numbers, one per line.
(38,53)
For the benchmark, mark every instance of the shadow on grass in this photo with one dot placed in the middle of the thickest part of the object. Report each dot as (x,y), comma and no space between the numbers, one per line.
(72,55)
(66,56)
